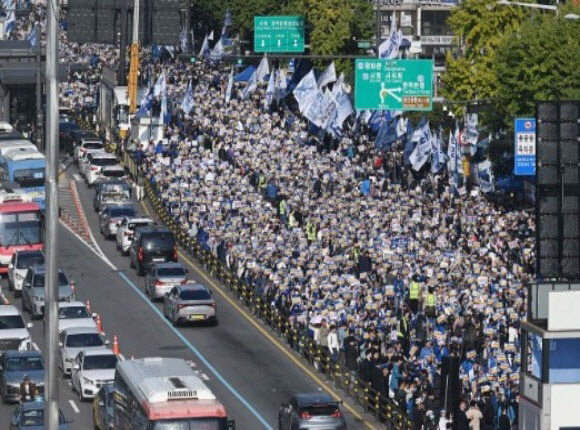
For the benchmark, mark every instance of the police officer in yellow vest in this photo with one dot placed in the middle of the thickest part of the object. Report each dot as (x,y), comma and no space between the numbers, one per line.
(430,303)
(282,208)
(414,293)
(310,231)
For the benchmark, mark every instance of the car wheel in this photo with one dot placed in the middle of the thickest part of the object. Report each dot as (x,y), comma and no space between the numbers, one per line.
(131,264)
(214,322)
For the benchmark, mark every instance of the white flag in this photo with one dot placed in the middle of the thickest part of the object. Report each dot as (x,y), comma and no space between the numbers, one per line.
(304,90)
(271,87)
(251,87)
(263,69)
(328,76)
(210,37)
(280,84)
(218,51)
(389,49)
(230,85)
(187,103)
(204,48)
(160,86)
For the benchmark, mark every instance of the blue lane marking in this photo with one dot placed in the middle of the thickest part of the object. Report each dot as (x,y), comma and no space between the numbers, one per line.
(197,353)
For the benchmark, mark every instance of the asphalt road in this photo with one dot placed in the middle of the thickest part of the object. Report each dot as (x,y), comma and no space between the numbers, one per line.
(248,373)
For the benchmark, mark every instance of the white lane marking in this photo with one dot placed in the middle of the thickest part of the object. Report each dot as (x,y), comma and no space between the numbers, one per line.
(77,177)
(74,406)
(191,363)
(201,375)
(35,346)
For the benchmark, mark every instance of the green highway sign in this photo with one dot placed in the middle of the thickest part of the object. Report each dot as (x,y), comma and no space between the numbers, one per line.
(365,44)
(283,33)
(393,84)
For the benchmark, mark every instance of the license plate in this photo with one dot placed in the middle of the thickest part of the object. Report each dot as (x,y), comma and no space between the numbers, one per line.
(158,260)
(196,317)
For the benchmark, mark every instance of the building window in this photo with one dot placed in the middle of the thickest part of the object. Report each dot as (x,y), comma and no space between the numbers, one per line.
(434,22)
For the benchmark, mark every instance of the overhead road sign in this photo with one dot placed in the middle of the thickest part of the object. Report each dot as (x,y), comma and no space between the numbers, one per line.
(282,33)
(525,146)
(393,84)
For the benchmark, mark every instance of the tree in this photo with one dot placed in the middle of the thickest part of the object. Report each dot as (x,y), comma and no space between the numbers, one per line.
(541,62)
(479,27)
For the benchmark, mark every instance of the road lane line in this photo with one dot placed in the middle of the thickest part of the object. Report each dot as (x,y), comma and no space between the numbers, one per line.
(74,406)
(35,346)
(261,329)
(199,355)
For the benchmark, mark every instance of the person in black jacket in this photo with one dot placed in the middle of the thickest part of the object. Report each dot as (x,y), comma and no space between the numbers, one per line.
(460,421)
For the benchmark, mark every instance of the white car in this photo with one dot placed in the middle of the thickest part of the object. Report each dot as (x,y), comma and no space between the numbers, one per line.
(95,163)
(87,146)
(14,334)
(18,267)
(74,340)
(126,229)
(91,370)
(113,172)
(74,314)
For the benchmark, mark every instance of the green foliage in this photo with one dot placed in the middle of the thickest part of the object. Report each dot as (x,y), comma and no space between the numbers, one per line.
(479,27)
(541,62)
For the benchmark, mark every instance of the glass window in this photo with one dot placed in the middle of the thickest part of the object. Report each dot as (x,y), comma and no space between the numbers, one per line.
(11,321)
(84,340)
(24,364)
(104,162)
(93,145)
(19,229)
(39,280)
(434,22)
(191,424)
(159,241)
(119,212)
(106,361)
(171,272)
(195,295)
(73,313)
(29,178)
(26,260)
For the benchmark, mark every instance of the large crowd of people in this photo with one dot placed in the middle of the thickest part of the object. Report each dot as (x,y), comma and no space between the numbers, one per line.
(391,271)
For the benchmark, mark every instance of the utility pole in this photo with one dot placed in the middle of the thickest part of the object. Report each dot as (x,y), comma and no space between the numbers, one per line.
(39,143)
(134,66)
(51,236)
(123,44)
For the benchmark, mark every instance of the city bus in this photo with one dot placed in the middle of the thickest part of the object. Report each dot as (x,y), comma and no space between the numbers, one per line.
(27,169)
(164,394)
(20,225)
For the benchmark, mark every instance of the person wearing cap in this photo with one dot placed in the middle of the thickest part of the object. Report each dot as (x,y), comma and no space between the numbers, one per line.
(27,389)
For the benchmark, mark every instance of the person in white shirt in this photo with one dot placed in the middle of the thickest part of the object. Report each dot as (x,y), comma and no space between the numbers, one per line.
(333,346)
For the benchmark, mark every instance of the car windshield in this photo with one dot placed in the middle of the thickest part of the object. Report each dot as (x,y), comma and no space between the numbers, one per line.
(28,178)
(192,424)
(104,161)
(22,364)
(171,272)
(93,145)
(35,417)
(20,228)
(119,212)
(11,321)
(194,295)
(84,340)
(93,362)
(24,261)
(73,312)
(39,280)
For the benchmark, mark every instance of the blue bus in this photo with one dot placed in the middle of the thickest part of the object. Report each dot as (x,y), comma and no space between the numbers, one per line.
(27,169)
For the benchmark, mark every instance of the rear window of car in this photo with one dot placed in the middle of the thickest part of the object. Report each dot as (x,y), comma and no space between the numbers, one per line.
(171,271)
(113,173)
(26,260)
(93,145)
(194,295)
(104,162)
(158,240)
(117,212)
(134,225)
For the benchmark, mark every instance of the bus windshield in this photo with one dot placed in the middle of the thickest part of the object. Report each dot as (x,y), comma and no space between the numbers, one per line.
(192,424)
(29,178)
(23,228)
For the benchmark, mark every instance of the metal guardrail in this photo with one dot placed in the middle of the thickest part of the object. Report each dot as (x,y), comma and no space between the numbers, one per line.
(381,407)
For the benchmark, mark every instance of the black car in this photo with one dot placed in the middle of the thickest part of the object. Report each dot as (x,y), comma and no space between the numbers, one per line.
(65,127)
(150,245)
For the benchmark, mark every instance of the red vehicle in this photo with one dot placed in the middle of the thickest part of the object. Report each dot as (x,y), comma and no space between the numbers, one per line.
(20,226)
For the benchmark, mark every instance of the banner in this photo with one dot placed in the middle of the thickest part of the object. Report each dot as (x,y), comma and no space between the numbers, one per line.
(251,87)
(389,49)
(304,91)
(263,69)
(271,88)
(187,103)
(422,151)
(218,51)
(160,86)
(328,76)
(228,95)
(281,84)
(204,51)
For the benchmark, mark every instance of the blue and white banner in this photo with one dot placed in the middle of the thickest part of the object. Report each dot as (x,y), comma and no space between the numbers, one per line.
(470,134)
(314,103)
(387,135)
(163,114)
(10,22)
(525,146)
(251,87)
(187,103)
(438,157)
(422,151)
(389,49)
(32,36)
(204,51)
(453,151)
(281,84)
(305,90)
(160,86)
(184,41)
(146,104)
(263,69)
(210,37)
(485,176)
(401,126)
(218,51)
(344,106)
(230,85)
(271,87)
(328,76)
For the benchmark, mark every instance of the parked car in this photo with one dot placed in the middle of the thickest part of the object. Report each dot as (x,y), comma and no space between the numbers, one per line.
(126,229)
(92,370)
(311,412)
(33,290)
(15,365)
(110,218)
(74,340)
(19,264)
(151,245)
(14,334)
(162,277)
(190,302)
(30,416)
(103,408)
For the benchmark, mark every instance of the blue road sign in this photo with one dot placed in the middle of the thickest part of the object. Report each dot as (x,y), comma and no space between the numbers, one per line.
(525,147)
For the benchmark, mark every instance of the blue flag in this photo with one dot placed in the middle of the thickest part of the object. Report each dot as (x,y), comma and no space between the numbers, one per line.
(187,103)
(387,134)
(32,36)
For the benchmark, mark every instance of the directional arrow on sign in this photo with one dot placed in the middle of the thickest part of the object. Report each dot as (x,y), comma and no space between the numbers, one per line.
(391,92)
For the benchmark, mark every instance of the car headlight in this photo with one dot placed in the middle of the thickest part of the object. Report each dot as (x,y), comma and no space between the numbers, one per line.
(18,276)
(69,359)
(87,381)
(38,299)
(26,341)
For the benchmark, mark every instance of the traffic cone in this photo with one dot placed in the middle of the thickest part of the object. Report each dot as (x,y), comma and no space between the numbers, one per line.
(89,307)
(99,323)
(116,349)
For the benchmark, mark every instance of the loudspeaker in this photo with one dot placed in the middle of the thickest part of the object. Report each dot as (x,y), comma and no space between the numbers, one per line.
(450,391)
(558,190)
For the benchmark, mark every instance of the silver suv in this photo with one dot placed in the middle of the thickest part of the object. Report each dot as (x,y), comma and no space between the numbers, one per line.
(14,334)
(33,290)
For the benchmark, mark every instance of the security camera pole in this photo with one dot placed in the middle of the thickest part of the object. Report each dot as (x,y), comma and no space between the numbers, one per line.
(51,233)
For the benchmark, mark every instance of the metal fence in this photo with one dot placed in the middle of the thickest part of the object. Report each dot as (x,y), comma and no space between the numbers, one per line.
(295,334)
